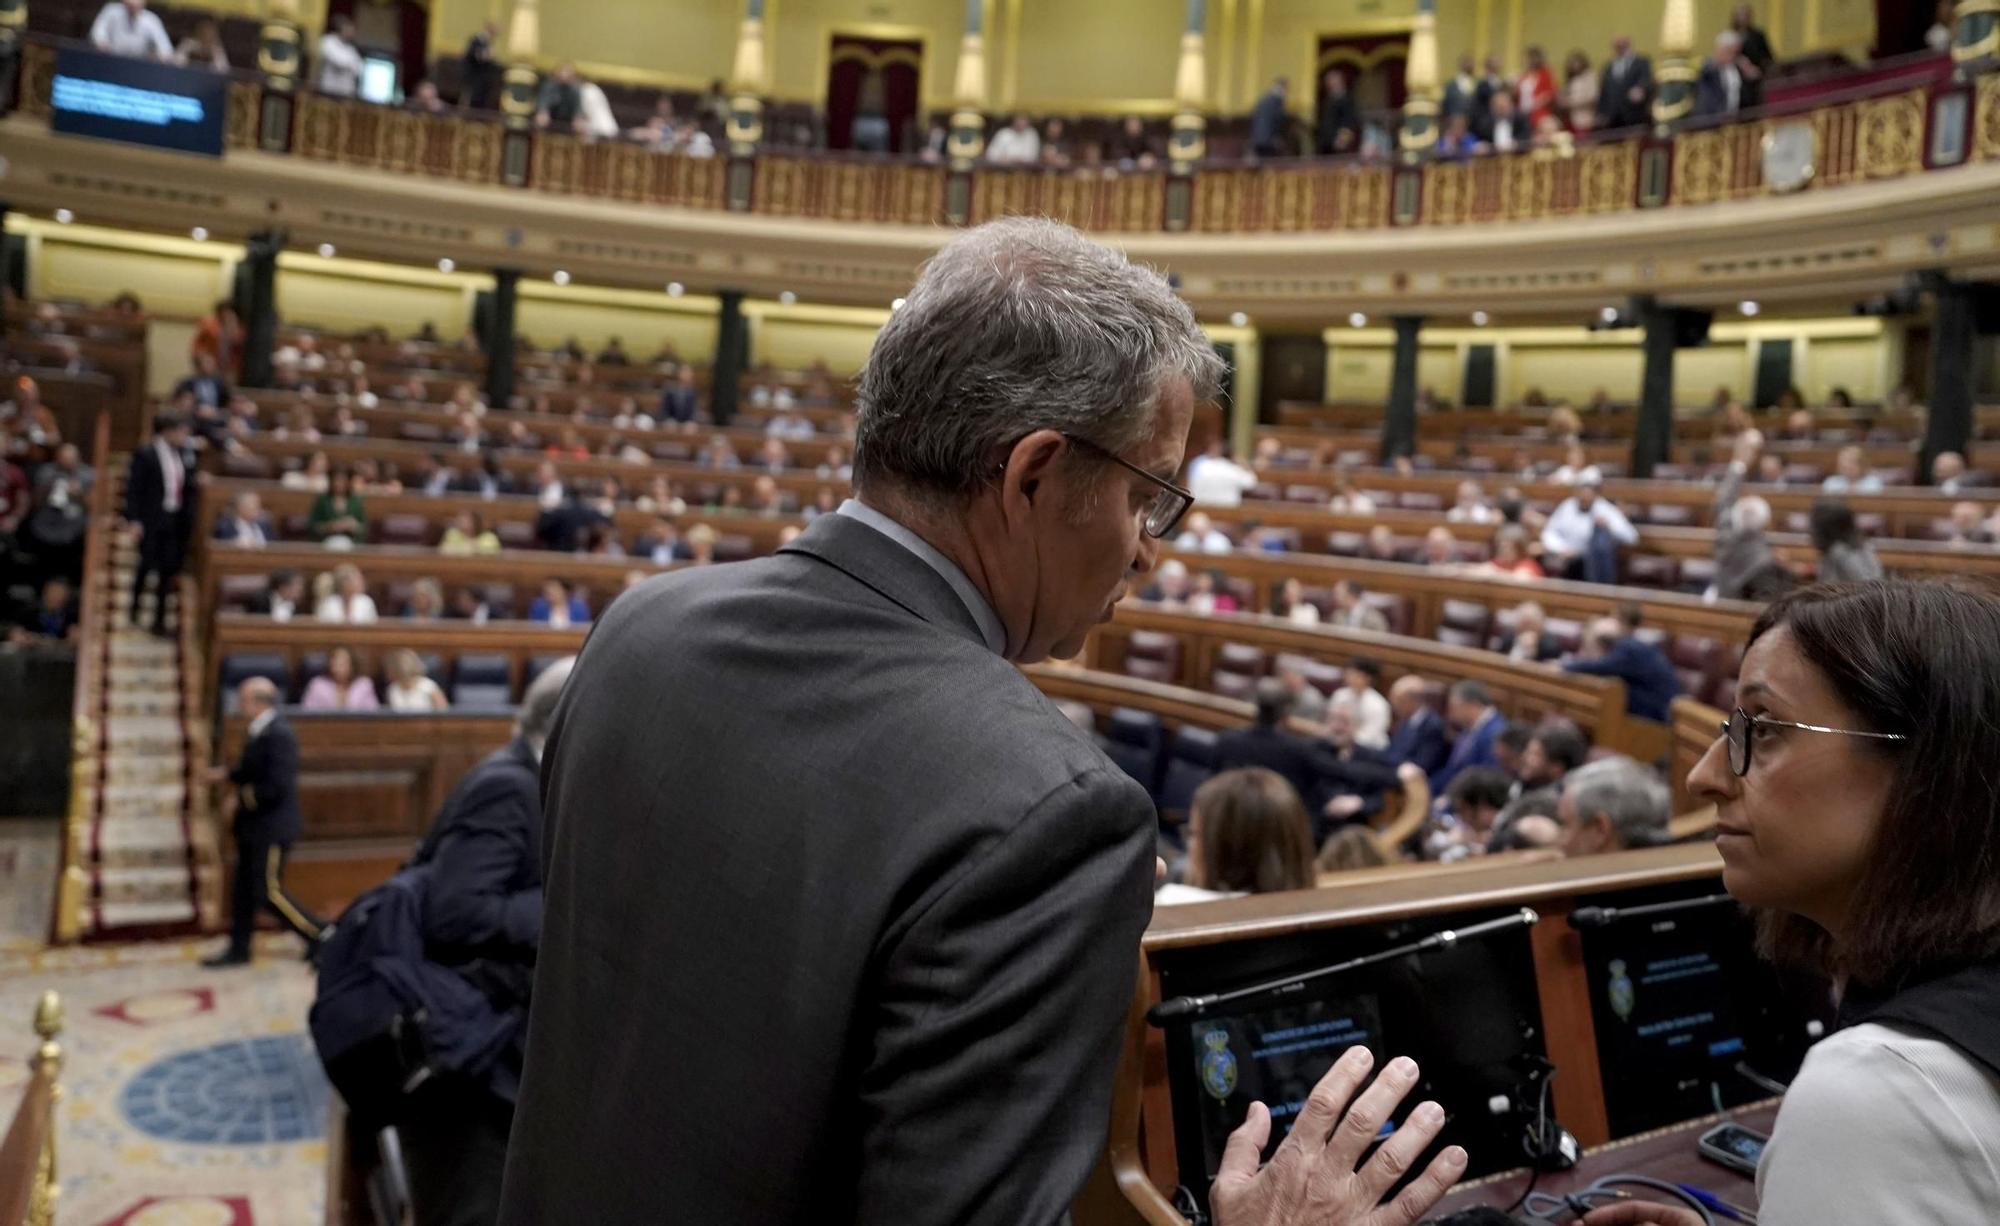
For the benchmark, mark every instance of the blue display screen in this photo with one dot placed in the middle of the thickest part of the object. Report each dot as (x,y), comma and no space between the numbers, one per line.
(140,102)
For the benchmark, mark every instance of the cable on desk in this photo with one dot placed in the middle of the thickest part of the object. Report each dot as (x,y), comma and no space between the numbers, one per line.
(1547,1208)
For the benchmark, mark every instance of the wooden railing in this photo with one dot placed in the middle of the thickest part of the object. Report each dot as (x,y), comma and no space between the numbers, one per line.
(1878,129)
(28,1176)
(86,766)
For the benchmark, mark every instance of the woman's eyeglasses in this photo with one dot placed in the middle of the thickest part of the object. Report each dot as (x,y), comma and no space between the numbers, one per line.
(1739,732)
(1169,502)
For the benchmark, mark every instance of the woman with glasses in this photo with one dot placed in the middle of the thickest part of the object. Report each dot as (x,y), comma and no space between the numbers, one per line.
(1857,788)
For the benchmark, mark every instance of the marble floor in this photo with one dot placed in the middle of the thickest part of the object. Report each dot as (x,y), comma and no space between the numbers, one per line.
(191,1097)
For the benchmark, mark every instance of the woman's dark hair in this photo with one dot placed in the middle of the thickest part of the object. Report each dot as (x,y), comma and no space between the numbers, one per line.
(1832,523)
(1255,836)
(1921,659)
(341,475)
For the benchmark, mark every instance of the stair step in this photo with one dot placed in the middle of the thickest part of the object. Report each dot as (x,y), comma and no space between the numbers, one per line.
(145,914)
(162,884)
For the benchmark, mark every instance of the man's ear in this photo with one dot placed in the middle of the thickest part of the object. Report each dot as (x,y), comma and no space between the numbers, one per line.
(1027,468)
(1601,832)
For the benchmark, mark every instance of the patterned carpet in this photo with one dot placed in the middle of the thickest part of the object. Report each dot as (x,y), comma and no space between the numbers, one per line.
(191,1097)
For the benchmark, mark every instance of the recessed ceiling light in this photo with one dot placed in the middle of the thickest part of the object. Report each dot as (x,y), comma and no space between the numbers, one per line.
(1608,315)
(675,289)
(446,264)
(199,234)
(64,216)
(1479,319)
(326,251)
(1748,307)
(1357,320)
(788,297)
(896,304)
(561,277)
(1238,318)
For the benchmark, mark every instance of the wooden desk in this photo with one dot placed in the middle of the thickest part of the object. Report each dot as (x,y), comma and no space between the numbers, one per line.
(1668,1155)
(1703,448)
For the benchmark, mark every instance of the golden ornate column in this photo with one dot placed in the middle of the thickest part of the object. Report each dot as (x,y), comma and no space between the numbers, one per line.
(1975,31)
(968,119)
(749,81)
(278,59)
(1674,79)
(1189,142)
(520,93)
(1420,83)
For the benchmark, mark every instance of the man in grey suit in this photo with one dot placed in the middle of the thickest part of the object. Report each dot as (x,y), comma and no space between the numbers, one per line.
(841,915)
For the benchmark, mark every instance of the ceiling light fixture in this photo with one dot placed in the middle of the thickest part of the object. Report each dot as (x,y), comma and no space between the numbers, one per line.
(896,304)
(199,234)
(446,264)
(561,277)
(675,289)
(1357,320)
(788,297)
(326,251)
(1238,319)
(1479,319)
(64,217)
(1748,307)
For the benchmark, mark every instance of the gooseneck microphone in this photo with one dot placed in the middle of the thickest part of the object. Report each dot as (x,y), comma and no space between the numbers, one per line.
(1599,917)
(1178,1007)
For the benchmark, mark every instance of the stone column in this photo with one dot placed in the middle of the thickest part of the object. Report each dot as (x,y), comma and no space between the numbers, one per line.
(1399,424)
(1653,434)
(732,356)
(520,94)
(1949,424)
(1189,143)
(749,80)
(500,337)
(1420,83)
(967,141)
(1975,32)
(258,304)
(278,59)
(1673,95)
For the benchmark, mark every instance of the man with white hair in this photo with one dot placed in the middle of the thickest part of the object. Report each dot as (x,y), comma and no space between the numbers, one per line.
(1725,79)
(482,917)
(1202,536)
(842,915)
(1583,534)
(1613,804)
(263,802)
(1746,568)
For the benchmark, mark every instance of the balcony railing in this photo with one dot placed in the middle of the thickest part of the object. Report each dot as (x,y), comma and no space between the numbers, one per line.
(1882,128)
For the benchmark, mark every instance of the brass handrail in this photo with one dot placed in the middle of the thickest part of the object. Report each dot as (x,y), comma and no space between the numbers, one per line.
(28,1177)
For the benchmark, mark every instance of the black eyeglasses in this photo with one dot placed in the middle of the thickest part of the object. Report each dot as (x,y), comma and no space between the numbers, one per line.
(1740,728)
(1163,514)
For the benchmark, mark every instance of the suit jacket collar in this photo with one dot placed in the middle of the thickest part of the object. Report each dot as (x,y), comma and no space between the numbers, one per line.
(870,558)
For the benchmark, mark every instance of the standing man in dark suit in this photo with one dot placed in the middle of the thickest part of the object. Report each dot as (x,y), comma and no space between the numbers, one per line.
(1469,709)
(159,504)
(680,403)
(1339,131)
(265,795)
(1755,48)
(1271,123)
(845,928)
(1267,744)
(481,70)
(1625,91)
(1418,738)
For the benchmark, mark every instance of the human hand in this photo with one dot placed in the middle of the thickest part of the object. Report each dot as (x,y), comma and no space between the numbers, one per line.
(1747,445)
(1409,774)
(1312,1180)
(1345,806)
(1642,1213)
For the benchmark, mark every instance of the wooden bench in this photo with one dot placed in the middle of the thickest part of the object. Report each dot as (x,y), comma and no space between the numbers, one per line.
(1532,423)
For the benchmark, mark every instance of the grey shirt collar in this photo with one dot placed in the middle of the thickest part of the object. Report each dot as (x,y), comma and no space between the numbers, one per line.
(974,600)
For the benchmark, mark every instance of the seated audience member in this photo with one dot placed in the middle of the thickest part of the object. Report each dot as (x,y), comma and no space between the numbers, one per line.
(1307,702)
(1267,742)
(701,545)
(244,524)
(129,28)
(1746,567)
(410,690)
(1849,476)
(613,354)
(482,917)
(1469,814)
(51,620)
(205,383)
(1771,470)
(1556,747)
(1582,537)
(1440,548)
(468,535)
(1510,745)
(1611,649)
(339,518)
(1510,558)
(1130,148)
(425,100)
(1211,595)
(345,598)
(1291,604)
(1948,473)
(1471,506)
(1969,526)
(600,540)
(1201,534)
(1381,545)
(766,498)
(680,403)
(1476,722)
(1350,849)
(1845,556)
(426,603)
(1347,500)
(1350,778)
(1364,703)
(1528,640)
(1799,427)
(1017,144)
(1216,479)
(203,48)
(1418,738)
(720,454)
(1247,834)
(660,497)
(281,596)
(557,607)
(338,688)
(1613,804)
(660,543)
(468,604)
(1170,585)
(1351,610)
(547,486)
(835,465)
(1529,823)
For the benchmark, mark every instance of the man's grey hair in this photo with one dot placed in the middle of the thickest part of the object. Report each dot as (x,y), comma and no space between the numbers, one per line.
(1632,796)
(1750,514)
(538,705)
(1019,325)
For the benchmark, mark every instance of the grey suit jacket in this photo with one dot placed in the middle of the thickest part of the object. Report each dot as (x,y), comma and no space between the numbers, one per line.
(842,915)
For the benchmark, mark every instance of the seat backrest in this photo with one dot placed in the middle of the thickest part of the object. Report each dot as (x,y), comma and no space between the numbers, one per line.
(1241,658)
(1147,669)
(481,697)
(239,666)
(1153,645)
(1133,740)
(403,529)
(1241,686)
(1394,607)
(480,668)
(1345,544)
(1466,615)
(1190,764)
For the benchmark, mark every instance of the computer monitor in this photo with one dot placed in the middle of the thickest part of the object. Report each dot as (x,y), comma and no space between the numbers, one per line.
(1679,999)
(379,80)
(1468,1014)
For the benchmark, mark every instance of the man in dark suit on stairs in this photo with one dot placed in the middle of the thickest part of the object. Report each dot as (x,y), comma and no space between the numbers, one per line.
(159,504)
(266,800)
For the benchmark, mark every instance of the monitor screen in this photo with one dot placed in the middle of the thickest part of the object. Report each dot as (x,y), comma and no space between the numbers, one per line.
(1274,1048)
(378,80)
(1679,1000)
(140,102)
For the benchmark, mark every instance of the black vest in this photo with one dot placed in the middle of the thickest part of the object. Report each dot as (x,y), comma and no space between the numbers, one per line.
(1960,1006)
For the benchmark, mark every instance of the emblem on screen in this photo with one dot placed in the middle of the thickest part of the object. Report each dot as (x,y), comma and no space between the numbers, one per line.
(1621,991)
(1218,1064)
